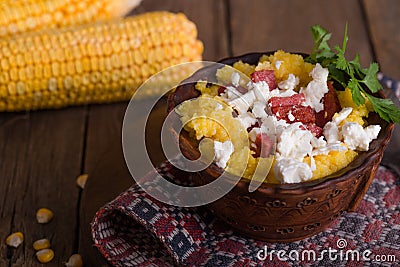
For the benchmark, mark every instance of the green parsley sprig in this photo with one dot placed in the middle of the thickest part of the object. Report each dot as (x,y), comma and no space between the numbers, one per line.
(350,74)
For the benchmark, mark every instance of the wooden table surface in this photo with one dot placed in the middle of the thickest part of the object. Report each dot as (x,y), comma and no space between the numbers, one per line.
(42,152)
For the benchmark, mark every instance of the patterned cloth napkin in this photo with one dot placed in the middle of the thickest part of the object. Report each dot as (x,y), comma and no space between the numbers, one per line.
(137,230)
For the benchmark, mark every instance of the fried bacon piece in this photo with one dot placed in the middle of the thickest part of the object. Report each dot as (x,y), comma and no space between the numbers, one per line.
(279,101)
(267,76)
(262,146)
(290,114)
(331,106)
(314,129)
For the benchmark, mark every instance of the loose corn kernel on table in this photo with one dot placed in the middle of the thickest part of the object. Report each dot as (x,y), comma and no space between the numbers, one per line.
(43,152)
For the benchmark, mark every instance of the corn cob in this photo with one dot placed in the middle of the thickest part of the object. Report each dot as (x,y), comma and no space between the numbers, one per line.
(18,16)
(93,64)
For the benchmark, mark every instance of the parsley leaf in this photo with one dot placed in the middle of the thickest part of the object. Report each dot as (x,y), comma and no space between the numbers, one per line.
(321,46)
(341,62)
(355,63)
(354,86)
(371,80)
(386,109)
(350,74)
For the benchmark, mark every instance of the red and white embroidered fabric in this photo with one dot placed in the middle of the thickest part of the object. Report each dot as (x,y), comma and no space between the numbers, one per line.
(137,230)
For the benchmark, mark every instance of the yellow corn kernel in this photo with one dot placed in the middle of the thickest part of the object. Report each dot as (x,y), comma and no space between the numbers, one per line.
(47,73)
(45,255)
(101,64)
(4,64)
(52,84)
(81,180)
(29,72)
(14,74)
(107,49)
(44,215)
(70,68)
(4,78)
(55,69)
(68,82)
(94,64)
(45,57)
(20,60)
(78,67)
(74,261)
(28,58)
(41,244)
(20,88)
(107,64)
(105,78)
(12,88)
(15,239)
(76,53)
(63,69)
(3,91)
(76,81)
(39,72)
(115,61)
(60,55)
(68,54)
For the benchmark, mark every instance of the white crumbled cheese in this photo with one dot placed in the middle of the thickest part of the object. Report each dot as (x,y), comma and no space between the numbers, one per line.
(272,93)
(259,110)
(358,138)
(290,116)
(278,64)
(342,115)
(268,125)
(243,103)
(231,93)
(294,142)
(317,88)
(292,171)
(253,133)
(261,91)
(332,130)
(281,93)
(272,126)
(330,147)
(222,152)
(235,79)
(372,131)
(318,142)
(246,119)
(331,133)
(319,73)
(290,83)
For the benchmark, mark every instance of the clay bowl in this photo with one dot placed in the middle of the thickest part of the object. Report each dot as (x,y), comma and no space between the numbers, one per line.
(286,212)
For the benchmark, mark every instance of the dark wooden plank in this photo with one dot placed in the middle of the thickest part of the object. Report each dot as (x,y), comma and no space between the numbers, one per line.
(267,25)
(383,21)
(13,133)
(103,160)
(41,157)
(209,16)
(105,165)
(109,175)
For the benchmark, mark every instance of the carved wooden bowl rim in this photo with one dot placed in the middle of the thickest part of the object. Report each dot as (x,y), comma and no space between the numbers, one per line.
(354,169)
